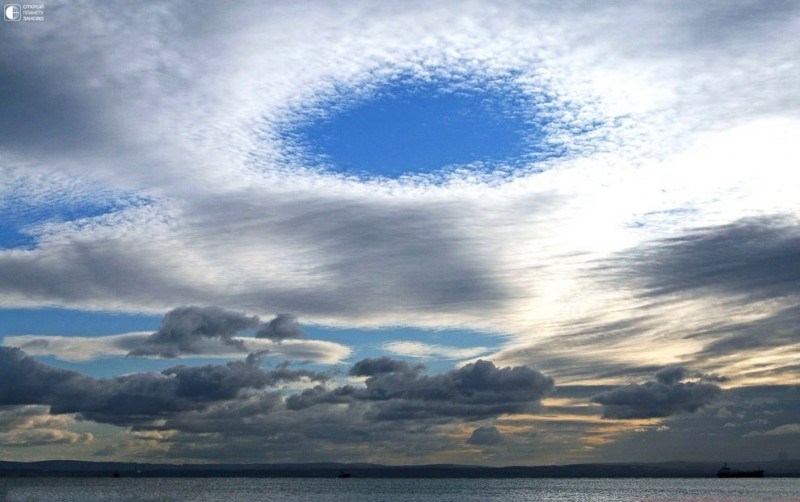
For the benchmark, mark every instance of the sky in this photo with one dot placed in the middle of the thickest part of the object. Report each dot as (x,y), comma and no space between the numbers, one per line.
(482,232)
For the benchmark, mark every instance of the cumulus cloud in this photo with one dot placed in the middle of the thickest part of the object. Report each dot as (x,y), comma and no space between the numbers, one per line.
(35,426)
(184,329)
(282,327)
(714,431)
(399,391)
(381,365)
(394,389)
(665,396)
(670,375)
(239,399)
(129,399)
(393,421)
(486,436)
(192,331)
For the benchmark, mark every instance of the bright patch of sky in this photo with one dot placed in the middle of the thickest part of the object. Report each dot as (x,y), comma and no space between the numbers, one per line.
(408,128)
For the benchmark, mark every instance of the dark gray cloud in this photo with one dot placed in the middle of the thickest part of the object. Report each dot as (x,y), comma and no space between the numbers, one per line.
(399,391)
(237,398)
(486,436)
(135,398)
(665,396)
(390,420)
(34,382)
(122,269)
(749,268)
(282,327)
(370,259)
(671,375)
(320,395)
(236,430)
(756,258)
(212,410)
(388,255)
(779,329)
(733,427)
(373,367)
(200,330)
(49,109)
(183,329)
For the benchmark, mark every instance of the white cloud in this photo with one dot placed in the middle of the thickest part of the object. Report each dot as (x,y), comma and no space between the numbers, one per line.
(80,348)
(782,430)
(24,426)
(77,348)
(426,350)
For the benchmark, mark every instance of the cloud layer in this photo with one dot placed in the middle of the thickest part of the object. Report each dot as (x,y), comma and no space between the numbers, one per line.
(241,400)
(658,228)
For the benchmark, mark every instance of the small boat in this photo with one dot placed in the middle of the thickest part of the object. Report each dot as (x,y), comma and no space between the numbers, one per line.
(343,474)
(727,472)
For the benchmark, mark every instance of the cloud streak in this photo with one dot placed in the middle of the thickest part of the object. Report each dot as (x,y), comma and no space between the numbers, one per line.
(77,349)
(756,258)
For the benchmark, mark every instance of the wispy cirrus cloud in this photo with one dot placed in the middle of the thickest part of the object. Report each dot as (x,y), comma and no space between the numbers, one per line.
(425,350)
(78,348)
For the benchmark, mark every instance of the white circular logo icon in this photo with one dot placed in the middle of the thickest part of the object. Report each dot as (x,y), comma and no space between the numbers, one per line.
(12,12)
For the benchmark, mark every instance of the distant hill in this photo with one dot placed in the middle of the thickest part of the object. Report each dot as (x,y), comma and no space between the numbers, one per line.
(789,468)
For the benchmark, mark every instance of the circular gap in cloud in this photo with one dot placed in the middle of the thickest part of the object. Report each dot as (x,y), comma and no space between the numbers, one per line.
(408,128)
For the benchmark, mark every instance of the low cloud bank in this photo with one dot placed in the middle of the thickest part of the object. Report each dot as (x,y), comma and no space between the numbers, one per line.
(667,395)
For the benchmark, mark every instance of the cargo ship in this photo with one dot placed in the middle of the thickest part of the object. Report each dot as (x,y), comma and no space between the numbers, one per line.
(727,472)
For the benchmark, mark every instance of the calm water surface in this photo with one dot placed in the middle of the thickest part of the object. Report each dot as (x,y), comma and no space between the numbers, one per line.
(357,490)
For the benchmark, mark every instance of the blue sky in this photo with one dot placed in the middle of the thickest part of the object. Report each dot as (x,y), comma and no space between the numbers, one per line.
(410,128)
(402,222)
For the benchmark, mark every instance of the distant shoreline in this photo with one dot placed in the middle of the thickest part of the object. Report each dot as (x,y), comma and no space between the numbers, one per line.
(65,468)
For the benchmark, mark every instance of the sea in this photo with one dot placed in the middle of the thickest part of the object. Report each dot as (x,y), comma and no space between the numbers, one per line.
(421,490)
